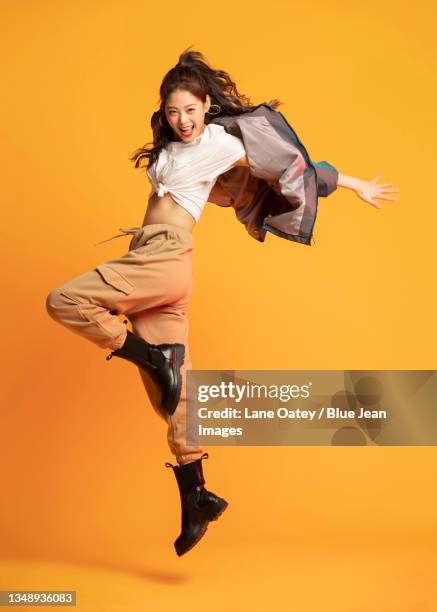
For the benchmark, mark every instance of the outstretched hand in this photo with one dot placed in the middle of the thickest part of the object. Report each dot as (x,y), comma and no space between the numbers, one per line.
(369,190)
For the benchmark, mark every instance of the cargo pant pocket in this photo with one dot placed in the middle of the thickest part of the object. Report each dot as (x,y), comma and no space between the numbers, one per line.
(80,309)
(115,279)
(100,317)
(69,295)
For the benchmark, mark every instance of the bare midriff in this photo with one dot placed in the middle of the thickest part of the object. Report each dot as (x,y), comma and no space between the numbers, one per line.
(165,210)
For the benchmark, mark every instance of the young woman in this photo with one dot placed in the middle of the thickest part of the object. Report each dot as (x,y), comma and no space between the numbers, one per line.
(151,284)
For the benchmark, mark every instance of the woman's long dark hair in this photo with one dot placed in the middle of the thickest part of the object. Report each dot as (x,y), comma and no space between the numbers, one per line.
(193,73)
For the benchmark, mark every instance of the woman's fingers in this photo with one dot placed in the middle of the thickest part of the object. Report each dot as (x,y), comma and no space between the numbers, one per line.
(387,190)
(369,200)
(383,197)
(384,187)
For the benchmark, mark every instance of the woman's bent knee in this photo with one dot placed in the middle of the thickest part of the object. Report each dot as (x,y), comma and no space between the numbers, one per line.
(54,301)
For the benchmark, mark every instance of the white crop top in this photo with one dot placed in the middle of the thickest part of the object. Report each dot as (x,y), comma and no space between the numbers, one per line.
(188,171)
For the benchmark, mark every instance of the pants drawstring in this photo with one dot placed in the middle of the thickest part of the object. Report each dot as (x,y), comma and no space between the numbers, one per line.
(126,231)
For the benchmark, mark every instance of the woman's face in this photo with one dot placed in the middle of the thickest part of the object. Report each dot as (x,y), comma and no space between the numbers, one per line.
(184,110)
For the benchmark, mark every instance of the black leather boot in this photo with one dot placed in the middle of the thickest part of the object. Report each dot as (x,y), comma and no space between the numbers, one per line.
(199,506)
(161,361)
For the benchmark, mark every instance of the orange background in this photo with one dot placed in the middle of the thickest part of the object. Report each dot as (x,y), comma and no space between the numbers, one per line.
(86,501)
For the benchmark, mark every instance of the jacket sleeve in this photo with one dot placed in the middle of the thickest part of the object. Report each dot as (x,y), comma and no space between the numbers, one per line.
(327,177)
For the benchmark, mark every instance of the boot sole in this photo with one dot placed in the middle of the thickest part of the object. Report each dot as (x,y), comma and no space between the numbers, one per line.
(214,517)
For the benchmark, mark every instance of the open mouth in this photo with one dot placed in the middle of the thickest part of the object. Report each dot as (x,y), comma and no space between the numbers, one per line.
(187,131)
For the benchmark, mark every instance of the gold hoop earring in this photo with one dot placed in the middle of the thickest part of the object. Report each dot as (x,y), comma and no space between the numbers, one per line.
(219,109)
(160,122)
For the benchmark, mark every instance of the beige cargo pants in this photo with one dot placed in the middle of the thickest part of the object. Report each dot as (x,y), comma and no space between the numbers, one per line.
(150,285)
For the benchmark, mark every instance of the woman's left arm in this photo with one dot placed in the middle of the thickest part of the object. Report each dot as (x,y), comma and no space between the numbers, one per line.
(367,190)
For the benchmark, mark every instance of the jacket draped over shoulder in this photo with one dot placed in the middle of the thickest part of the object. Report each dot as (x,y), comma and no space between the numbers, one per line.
(278,192)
